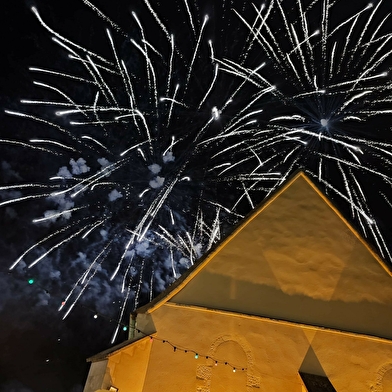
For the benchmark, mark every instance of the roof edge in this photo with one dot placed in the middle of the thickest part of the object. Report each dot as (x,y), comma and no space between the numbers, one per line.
(281,321)
(113,350)
(374,253)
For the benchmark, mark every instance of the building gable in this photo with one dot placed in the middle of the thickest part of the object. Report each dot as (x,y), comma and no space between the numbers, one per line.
(296,259)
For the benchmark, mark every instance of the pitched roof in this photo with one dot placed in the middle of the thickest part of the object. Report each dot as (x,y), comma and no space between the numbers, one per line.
(294,251)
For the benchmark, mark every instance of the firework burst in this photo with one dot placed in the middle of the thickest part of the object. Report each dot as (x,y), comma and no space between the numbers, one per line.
(329,113)
(139,183)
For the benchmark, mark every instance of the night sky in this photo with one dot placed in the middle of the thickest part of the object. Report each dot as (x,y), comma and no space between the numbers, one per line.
(150,176)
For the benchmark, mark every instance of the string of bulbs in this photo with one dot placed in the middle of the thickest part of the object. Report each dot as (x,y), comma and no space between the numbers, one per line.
(196,354)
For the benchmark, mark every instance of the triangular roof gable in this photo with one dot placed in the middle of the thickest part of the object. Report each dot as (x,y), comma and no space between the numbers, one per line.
(294,251)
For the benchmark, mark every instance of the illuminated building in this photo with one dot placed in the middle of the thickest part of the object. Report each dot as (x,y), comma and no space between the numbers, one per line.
(293,300)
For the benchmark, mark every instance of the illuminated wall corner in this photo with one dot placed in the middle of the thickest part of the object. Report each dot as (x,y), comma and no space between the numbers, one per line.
(121,366)
(96,376)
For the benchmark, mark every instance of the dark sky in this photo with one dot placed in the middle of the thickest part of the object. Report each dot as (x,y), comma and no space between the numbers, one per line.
(187,176)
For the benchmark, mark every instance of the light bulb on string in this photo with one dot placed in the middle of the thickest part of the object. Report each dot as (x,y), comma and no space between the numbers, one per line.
(196,354)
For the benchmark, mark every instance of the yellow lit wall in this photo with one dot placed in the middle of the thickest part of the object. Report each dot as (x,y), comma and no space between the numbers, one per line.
(296,259)
(125,368)
(273,352)
(294,288)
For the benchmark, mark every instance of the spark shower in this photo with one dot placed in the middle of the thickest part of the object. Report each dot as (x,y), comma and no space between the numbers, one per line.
(152,144)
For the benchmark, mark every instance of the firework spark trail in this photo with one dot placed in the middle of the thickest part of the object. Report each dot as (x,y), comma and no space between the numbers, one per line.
(211,86)
(122,309)
(60,74)
(82,290)
(50,124)
(57,215)
(84,280)
(170,70)
(330,77)
(190,17)
(168,238)
(60,92)
(58,245)
(23,198)
(161,25)
(85,183)
(195,52)
(149,72)
(60,37)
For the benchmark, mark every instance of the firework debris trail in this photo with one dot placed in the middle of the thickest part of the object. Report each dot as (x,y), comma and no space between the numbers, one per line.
(146,145)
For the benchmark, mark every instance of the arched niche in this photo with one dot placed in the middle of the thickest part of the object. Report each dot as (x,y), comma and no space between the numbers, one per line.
(220,377)
(384,379)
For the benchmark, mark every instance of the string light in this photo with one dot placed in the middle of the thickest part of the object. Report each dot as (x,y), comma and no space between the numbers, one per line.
(196,354)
